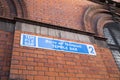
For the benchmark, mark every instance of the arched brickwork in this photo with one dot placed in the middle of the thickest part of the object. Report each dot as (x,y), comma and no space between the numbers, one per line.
(8,9)
(13,8)
(95,18)
(100,24)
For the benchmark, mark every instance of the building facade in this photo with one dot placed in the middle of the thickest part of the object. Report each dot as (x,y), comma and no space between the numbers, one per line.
(25,24)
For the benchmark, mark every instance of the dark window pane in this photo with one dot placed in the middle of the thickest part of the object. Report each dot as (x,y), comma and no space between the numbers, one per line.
(116,55)
(112,33)
(108,36)
(116,33)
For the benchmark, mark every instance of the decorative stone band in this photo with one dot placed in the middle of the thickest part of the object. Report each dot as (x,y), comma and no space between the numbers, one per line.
(11,25)
(52,32)
(7,26)
(58,32)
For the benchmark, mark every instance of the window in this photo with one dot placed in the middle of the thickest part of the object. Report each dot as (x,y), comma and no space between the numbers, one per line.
(112,33)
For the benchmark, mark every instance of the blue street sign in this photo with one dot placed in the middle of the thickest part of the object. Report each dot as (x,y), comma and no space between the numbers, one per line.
(55,44)
(28,40)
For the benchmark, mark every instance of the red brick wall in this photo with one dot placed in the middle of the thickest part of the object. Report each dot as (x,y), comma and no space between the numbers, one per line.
(6,41)
(40,64)
(66,13)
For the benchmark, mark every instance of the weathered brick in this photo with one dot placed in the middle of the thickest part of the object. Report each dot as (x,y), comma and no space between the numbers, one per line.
(41,68)
(51,69)
(74,79)
(15,62)
(62,78)
(51,78)
(41,73)
(51,73)
(41,77)
(30,77)
(70,63)
(61,74)
(30,67)
(15,71)
(30,59)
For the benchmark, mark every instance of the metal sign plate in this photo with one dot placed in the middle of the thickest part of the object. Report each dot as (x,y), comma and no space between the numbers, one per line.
(55,44)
